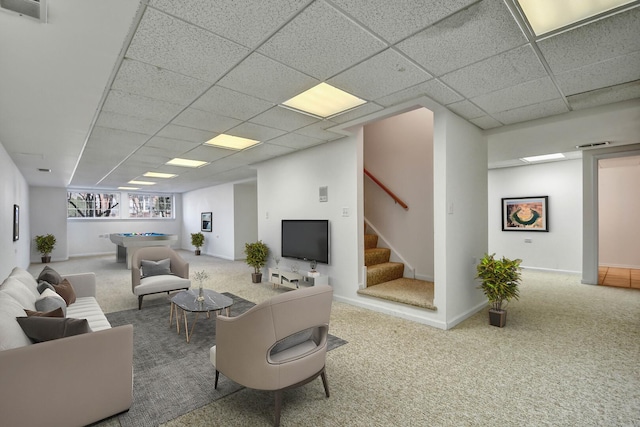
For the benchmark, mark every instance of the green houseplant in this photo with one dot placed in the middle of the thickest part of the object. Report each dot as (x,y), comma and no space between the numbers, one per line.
(44,245)
(197,240)
(499,282)
(257,253)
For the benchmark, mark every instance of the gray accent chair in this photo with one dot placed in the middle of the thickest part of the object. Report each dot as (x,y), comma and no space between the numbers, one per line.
(145,285)
(276,345)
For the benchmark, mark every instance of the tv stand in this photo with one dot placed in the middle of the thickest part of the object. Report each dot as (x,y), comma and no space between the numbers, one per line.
(294,280)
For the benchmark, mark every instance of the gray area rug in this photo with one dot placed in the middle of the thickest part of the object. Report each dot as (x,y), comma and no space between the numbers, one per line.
(173,377)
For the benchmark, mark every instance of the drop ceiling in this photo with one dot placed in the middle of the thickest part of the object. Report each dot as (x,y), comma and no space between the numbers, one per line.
(108,90)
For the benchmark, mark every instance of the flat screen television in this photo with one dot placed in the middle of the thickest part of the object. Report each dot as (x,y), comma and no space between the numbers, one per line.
(306,239)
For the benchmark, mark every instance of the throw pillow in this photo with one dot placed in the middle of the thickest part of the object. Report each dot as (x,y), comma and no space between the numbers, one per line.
(66,291)
(49,300)
(155,268)
(54,313)
(44,285)
(41,329)
(48,274)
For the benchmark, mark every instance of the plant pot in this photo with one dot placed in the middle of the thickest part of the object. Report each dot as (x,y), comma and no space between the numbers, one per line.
(197,251)
(497,317)
(256,277)
(46,259)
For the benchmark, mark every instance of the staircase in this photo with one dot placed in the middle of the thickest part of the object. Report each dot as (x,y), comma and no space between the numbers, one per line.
(385,279)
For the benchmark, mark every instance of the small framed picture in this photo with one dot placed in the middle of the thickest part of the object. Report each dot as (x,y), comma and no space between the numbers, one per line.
(205,219)
(525,214)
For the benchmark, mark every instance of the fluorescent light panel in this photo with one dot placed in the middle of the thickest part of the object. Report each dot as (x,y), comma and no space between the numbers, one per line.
(141,182)
(323,100)
(186,163)
(159,175)
(128,188)
(543,158)
(232,142)
(548,15)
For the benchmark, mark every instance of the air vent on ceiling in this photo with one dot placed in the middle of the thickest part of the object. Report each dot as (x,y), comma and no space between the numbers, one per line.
(36,9)
(593,145)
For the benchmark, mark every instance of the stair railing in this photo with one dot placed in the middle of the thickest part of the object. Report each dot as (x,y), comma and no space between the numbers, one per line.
(386,190)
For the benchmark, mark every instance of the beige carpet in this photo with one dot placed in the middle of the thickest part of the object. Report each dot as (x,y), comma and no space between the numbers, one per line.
(567,357)
(407,291)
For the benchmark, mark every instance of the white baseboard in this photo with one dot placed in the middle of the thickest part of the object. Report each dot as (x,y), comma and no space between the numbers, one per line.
(464,316)
(551,270)
(634,267)
(424,277)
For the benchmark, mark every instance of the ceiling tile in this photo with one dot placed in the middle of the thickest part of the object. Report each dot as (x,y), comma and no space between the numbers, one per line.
(153,82)
(284,119)
(317,130)
(434,89)
(116,138)
(532,92)
(295,141)
(395,20)
(606,95)
(254,131)
(204,120)
(171,144)
(321,42)
(380,75)
(173,44)
(267,79)
(486,122)
(532,112)
(229,103)
(186,133)
(355,113)
(264,152)
(110,119)
(208,153)
(611,72)
(604,39)
(245,22)
(473,34)
(466,109)
(140,106)
(498,72)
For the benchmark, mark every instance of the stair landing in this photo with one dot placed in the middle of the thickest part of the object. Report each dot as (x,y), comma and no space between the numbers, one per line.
(414,292)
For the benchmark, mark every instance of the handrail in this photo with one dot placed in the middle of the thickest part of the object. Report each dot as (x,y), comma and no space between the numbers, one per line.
(389,192)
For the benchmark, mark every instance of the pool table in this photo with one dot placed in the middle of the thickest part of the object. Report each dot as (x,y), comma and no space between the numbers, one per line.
(127,243)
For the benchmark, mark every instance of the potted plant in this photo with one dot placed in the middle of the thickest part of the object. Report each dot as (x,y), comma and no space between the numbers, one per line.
(257,254)
(45,245)
(197,240)
(500,279)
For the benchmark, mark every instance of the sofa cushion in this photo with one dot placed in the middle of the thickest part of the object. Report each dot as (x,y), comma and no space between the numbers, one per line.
(49,300)
(25,277)
(44,285)
(88,308)
(53,313)
(41,329)
(11,334)
(164,283)
(20,292)
(48,274)
(66,291)
(155,268)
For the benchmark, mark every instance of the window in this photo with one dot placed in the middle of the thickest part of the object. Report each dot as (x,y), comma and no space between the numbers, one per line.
(93,205)
(150,205)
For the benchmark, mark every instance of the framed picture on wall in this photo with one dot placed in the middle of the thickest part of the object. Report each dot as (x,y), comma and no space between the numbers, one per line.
(16,222)
(205,219)
(525,214)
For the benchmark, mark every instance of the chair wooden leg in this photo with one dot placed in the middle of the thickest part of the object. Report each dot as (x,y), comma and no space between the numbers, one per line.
(140,302)
(215,384)
(276,421)
(325,382)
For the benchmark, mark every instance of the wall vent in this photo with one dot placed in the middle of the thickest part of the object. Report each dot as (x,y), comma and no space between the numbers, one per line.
(593,145)
(36,9)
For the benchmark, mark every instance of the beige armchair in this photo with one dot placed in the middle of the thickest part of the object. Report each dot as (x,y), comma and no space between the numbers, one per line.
(276,345)
(161,277)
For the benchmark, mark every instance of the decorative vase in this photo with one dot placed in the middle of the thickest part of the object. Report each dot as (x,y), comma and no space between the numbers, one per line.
(197,251)
(200,293)
(46,259)
(256,277)
(497,317)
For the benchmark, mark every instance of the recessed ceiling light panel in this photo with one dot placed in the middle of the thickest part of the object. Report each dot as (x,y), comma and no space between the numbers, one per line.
(141,182)
(186,163)
(232,142)
(545,16)
(128,188)
(159,175)
(543,158)
(323,101)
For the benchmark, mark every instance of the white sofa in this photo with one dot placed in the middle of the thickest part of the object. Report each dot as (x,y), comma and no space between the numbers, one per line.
(71,381)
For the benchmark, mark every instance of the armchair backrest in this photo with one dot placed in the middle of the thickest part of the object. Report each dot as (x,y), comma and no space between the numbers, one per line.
(244,343)
(179,266)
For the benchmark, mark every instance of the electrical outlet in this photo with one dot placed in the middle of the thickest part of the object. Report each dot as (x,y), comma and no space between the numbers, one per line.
(345,211)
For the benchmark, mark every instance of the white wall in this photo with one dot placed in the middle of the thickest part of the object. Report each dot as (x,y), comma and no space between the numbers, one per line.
(245,208)
(48,215)
(219,201)
(398,151)
(619,205)
(13,190)
(561,248)
(288,189)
